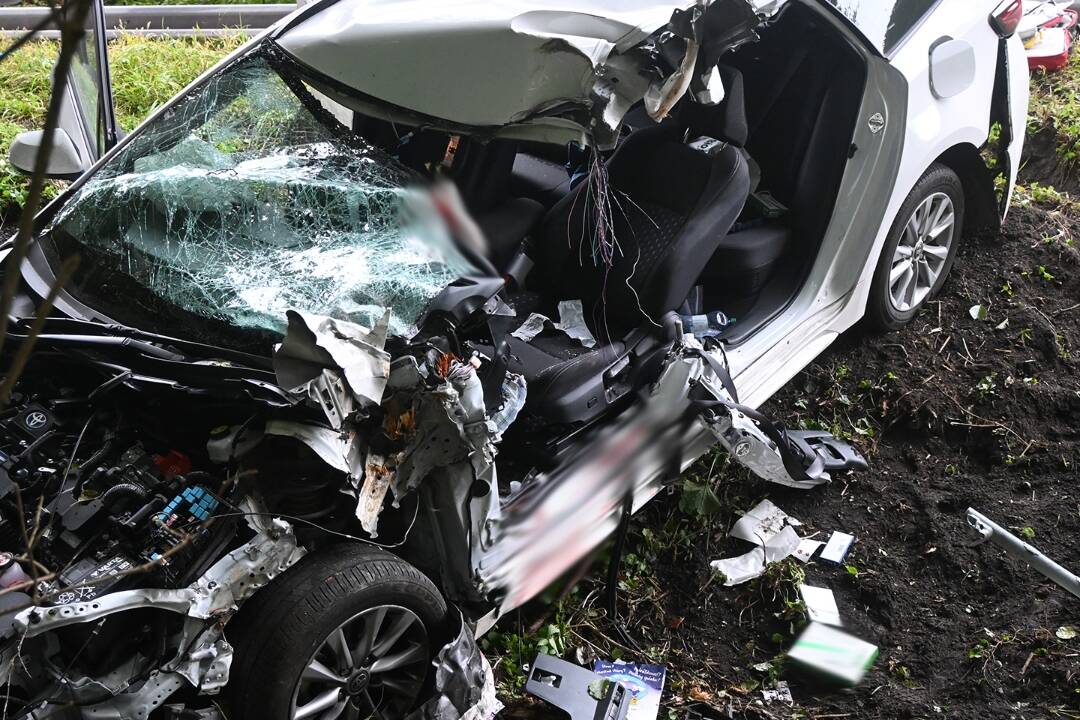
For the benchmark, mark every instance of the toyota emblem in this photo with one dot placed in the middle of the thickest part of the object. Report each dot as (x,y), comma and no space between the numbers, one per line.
(36,420)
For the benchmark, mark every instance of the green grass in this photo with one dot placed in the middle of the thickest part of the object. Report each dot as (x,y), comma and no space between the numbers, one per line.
(145,74)
(1055,102)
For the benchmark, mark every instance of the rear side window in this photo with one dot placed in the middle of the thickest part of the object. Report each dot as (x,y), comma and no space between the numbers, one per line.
(885,23)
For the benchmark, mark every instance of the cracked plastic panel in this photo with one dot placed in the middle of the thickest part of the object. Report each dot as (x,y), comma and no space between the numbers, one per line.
(247,200)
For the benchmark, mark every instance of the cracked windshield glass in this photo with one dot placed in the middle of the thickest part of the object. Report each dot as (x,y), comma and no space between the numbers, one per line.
(245,200)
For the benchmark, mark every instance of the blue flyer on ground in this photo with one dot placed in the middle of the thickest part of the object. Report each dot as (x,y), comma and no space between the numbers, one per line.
(643,682)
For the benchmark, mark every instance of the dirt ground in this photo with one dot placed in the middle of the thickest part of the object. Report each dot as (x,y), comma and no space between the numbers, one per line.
(952,412)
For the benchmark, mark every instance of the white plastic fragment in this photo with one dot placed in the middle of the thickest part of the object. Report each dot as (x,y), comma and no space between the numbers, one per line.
(837,547)
(533,326)
(977,312)
(572,322)
(820,605)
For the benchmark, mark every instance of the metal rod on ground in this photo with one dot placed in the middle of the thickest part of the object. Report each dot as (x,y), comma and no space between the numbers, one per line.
(1021,550)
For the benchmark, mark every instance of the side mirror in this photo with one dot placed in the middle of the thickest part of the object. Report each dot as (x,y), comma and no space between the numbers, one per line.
(64,160)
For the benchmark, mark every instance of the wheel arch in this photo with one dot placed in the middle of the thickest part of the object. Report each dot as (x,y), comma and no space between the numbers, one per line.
(980,199)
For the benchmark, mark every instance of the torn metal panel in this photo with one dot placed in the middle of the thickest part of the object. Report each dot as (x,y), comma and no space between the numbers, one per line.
(314,344)
(566,70)
(463,682)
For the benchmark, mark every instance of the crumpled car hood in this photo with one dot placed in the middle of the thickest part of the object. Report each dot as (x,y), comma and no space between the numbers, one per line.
(535,70)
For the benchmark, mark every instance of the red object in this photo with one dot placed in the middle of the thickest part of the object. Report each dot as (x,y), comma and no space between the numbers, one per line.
(173,463)
(1054,61)
(1006,17)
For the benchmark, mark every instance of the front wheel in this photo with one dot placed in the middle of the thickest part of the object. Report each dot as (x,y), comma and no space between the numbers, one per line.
(347,632)
(919,250)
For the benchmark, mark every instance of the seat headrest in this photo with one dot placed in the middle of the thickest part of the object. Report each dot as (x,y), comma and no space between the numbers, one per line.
(727,120)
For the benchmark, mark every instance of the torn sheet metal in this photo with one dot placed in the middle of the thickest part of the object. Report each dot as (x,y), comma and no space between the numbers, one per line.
(572,322)
(463,681)
(768,527)
(566,69)
(315,344)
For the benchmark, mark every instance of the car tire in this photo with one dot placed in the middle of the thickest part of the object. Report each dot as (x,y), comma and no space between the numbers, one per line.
(287,639)
(918,253)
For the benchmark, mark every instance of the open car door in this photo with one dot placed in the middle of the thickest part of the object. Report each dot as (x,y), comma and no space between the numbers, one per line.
(87,127)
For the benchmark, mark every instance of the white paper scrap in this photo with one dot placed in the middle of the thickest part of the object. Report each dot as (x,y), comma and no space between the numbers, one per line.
(781,693)
(806,549)
(837,547)
(820,605)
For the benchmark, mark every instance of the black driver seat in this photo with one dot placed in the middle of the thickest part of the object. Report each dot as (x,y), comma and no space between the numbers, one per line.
(671,205)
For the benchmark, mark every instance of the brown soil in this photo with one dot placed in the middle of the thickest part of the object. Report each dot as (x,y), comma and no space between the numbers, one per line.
(952,413)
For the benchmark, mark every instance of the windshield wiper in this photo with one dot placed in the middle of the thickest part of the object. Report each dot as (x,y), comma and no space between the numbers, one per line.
(89,332)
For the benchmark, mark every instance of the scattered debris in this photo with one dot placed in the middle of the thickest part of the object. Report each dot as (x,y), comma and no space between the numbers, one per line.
(820,605)
(978,312)
(781,693)
(1065,632)
(572,322)
(464,684)
(833,654)
(581,693)
(645,683)
(837,547)
(533,326)
(806,549)
(1021,550)
(768,527)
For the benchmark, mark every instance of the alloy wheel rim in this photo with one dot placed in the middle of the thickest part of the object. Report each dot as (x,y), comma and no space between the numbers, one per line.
(370,666)
(922,252)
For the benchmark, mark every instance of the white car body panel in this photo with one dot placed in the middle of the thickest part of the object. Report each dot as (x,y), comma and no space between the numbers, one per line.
(817,317)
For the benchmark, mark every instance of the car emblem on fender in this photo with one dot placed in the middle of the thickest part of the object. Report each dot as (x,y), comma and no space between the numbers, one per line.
(876,123)
(36,420)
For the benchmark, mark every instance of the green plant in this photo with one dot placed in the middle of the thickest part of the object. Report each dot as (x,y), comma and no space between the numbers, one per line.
(1045,274)
(698,499)
(1027,532)
(987,386)
(852,570)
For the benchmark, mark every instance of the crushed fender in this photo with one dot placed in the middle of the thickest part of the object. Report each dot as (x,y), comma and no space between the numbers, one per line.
(464,683)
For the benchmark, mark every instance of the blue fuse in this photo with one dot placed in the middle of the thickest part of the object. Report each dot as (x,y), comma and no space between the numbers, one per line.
(194,502)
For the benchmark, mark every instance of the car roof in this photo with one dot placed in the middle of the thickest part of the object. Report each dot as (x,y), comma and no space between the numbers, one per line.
(548,70)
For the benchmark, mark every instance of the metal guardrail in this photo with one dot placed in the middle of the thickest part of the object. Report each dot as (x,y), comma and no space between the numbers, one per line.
(159,20)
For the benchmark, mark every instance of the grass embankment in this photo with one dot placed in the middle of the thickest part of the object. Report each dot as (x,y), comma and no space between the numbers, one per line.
(145,74)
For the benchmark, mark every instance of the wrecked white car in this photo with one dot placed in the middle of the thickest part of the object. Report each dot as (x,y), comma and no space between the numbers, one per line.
(383,324)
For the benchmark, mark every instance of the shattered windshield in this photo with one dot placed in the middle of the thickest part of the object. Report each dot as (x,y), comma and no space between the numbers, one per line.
(245,200)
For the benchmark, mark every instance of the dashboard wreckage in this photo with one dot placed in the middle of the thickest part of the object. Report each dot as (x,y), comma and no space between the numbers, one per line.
(196,525)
